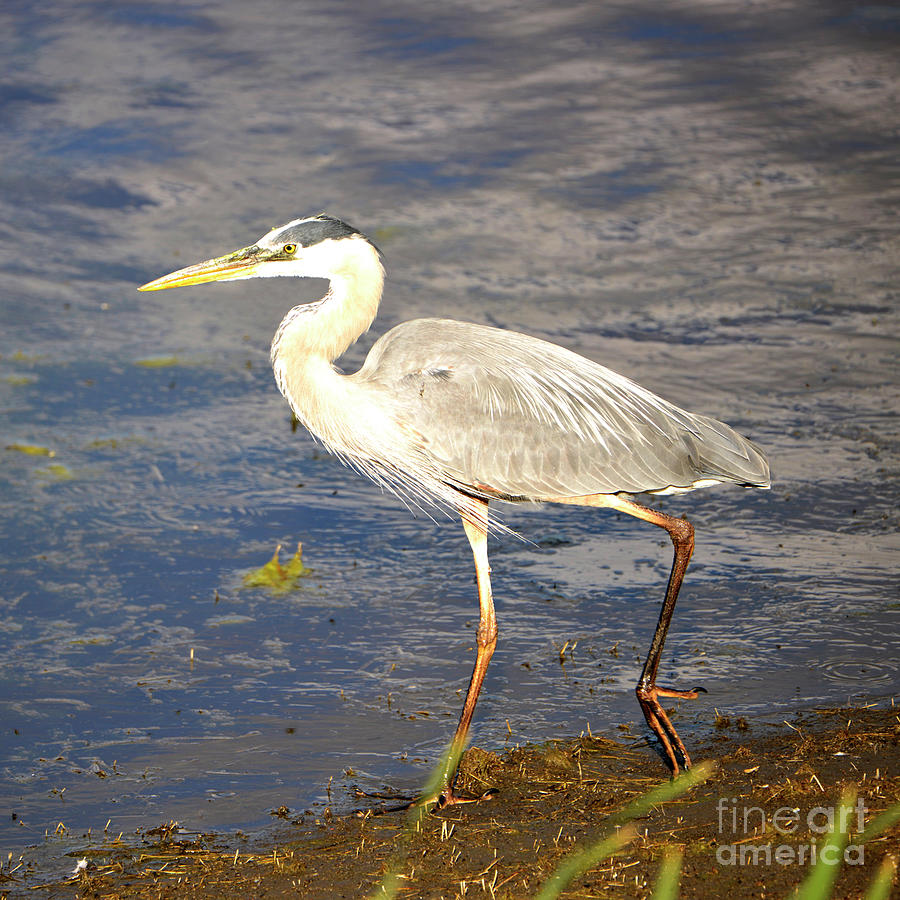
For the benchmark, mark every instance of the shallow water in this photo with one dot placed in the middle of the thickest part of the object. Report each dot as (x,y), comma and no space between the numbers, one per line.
(702,196)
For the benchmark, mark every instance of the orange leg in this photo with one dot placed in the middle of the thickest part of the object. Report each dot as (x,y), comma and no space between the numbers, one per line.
(476,527)
(648,693)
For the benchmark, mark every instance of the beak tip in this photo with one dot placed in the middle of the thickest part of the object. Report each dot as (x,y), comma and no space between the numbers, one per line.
(157,284)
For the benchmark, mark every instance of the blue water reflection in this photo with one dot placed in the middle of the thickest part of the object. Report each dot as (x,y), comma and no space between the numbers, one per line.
(705,202)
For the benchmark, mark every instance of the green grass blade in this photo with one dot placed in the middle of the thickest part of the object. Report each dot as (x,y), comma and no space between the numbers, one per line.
(579,863)
(391,882)
(889,818)
(666,887)
(880,888)
(663,793)
(820,881)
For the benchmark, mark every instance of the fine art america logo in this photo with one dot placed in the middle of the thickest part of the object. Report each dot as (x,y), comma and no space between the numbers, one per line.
(744,831)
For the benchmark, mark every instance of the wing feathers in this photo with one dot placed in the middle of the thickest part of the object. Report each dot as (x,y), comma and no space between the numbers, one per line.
(529,418)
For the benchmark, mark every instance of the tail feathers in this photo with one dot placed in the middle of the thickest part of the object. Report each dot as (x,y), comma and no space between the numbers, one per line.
(727,456)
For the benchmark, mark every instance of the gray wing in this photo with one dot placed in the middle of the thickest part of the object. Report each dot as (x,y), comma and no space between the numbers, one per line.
(502,413)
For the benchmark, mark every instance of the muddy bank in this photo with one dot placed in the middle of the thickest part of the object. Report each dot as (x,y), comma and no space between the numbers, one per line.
(749,831)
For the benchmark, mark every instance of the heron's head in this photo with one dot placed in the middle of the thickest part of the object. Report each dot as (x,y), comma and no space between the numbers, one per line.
(315,247)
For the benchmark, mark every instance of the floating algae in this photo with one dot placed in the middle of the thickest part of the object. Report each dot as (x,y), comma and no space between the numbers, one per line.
(278,578)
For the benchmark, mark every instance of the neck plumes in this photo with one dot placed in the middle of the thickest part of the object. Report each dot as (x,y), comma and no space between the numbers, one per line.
(313,335)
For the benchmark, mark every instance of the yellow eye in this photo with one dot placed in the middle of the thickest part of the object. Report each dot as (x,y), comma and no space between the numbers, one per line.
(289,249)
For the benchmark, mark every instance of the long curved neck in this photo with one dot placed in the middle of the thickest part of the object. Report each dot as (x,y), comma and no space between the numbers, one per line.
(313,335)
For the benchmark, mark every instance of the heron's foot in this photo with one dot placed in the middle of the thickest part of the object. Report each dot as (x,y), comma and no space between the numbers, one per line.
(448,797)
(660,724)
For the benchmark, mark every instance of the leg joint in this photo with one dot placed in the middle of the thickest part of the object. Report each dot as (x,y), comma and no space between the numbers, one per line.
(681,531)
(487,634)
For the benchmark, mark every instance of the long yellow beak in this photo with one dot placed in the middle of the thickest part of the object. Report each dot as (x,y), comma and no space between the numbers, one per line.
(240,264)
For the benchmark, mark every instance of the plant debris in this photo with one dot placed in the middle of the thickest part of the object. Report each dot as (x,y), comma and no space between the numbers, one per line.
(549,802)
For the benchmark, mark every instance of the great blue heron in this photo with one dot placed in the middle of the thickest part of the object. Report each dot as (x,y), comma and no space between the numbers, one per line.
(459,414)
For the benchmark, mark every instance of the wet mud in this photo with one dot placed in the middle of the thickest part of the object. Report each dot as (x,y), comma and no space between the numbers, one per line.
(751,830)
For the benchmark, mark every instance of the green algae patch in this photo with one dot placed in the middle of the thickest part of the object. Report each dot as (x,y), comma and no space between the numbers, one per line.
(115,443)
(94,639)
(158,362)
(278,578)
(31,449)
(19,380)
(56,472)
(22,357)
(226,620)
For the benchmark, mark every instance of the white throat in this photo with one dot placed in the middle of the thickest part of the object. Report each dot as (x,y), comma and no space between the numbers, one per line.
(311,336)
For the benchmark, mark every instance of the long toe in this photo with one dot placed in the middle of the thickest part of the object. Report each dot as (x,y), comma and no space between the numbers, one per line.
(683,695)
(660,724)
(448,797)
